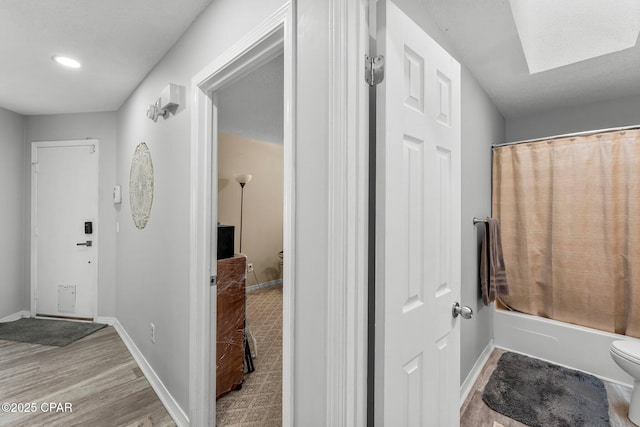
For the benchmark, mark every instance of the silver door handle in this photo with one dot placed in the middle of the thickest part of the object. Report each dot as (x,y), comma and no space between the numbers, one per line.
(87,243)
(464,311)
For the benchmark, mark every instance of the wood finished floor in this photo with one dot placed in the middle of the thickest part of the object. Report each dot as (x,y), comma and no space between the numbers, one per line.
(96,374)
(475,413)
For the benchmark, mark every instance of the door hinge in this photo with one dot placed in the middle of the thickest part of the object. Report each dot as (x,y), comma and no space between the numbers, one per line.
(373,69)
(214,281)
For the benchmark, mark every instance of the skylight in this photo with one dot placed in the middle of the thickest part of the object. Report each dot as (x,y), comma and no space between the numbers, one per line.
(554,33)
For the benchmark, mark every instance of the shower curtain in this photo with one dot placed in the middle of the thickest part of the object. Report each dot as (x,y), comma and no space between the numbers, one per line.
(569,210)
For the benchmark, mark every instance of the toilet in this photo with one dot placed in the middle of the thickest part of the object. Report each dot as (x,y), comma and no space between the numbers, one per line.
(626,354)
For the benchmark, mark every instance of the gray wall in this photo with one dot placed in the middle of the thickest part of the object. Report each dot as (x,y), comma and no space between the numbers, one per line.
(482,125)
(101,126)
(600,115)
(153,263)
(13,280)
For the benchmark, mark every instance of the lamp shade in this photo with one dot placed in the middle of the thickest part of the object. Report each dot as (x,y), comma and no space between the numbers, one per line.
(243,178)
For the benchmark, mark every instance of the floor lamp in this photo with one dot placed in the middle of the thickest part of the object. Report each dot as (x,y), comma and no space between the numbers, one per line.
(243,180)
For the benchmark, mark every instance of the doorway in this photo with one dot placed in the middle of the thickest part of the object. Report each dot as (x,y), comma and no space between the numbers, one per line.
(269,40)
(64,228)
(250,213)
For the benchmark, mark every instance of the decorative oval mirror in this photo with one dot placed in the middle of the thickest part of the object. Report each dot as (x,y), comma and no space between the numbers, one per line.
(141,185)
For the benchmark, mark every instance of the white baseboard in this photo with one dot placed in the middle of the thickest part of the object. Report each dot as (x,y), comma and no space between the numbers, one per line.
(16,316)
(468,383)
(264,285)
(111,321)
(176,412)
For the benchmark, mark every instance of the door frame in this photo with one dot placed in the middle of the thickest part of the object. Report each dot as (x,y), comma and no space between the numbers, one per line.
(269,39)
(34,205)
(349,209)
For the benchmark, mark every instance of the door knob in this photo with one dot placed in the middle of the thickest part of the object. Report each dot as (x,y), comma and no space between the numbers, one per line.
(87,243)
(464,311)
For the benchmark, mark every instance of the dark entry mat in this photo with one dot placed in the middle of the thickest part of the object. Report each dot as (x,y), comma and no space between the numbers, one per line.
(47,332)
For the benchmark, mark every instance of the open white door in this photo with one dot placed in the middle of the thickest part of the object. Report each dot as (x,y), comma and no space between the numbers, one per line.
(417,227)
(64,209)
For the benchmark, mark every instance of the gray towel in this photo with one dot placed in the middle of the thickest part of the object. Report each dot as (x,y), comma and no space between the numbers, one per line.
(493,281)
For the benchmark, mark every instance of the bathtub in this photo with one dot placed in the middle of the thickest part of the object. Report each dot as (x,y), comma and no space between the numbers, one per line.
(576,347)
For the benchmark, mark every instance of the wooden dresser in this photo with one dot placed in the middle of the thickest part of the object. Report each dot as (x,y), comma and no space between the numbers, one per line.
(232,280)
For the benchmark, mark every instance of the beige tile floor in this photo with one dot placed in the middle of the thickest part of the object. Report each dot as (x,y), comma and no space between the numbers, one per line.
(259,402)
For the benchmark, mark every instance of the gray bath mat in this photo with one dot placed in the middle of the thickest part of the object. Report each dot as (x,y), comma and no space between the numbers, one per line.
(540,394)
(47,332)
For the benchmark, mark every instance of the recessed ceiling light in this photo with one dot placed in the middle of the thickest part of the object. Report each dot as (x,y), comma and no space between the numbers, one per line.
(67,62)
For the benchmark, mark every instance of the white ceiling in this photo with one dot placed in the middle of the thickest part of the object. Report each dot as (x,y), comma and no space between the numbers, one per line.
(253,107)
(484,35)
(117,41)
(555,33)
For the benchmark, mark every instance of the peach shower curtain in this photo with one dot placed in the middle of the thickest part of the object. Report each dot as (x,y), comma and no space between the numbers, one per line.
(569,210)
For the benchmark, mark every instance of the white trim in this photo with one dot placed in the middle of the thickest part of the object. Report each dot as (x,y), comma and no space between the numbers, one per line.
(34,182)
(289,215)
(473,375)
(263,285)
(199,256)
(65,319)
(16,316)
(272,37)
(172,407)
(348,220)
(107,320)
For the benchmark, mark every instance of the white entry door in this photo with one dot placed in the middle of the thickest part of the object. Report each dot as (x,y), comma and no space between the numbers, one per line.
(418,227)
(64,227)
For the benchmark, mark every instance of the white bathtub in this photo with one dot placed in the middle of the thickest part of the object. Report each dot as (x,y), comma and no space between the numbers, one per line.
(561,343)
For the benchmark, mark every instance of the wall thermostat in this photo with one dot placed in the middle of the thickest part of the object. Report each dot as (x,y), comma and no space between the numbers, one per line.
(117,194)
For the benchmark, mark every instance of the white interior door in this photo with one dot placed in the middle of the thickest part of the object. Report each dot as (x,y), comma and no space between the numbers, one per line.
(418,227)
(64,258)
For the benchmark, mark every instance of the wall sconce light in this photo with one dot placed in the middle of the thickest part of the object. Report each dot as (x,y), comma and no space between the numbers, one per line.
(168,103)
(154,111)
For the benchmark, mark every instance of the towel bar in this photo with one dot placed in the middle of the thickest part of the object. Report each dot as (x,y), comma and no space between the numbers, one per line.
(478,220)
